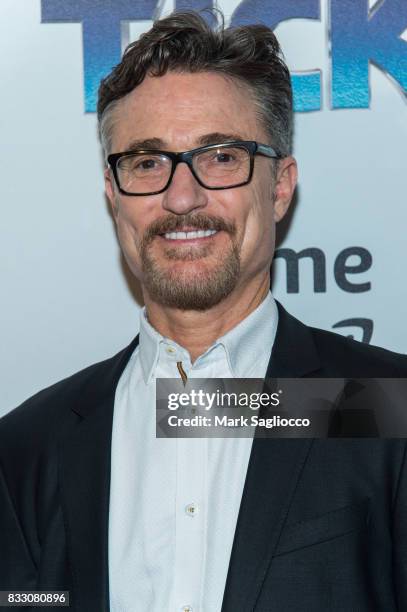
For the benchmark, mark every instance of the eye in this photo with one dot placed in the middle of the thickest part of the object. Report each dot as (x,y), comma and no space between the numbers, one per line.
(224,158)
(220,157)
(142,164)
(145,164)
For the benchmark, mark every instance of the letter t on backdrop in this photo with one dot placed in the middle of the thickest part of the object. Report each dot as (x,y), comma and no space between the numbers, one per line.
(101,29)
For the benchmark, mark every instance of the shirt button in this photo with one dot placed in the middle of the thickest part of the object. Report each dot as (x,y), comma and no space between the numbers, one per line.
(191,510)
(170,350)
(187,609)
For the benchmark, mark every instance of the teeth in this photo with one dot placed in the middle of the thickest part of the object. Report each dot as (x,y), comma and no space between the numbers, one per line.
(189,235)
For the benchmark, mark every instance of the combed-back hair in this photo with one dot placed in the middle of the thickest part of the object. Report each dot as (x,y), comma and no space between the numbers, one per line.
(183,42)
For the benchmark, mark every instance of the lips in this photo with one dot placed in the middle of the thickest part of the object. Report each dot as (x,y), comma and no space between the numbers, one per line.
(187,229)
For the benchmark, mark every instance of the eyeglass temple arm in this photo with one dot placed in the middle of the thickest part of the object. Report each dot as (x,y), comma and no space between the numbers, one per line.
(267,151)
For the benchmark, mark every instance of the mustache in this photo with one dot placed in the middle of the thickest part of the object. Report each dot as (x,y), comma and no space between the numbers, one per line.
(199,221)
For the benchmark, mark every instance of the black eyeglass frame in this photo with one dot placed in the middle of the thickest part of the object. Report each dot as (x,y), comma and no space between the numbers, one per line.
(251,146)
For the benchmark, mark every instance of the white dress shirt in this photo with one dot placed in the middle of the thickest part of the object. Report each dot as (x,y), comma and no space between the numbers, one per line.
(174,503)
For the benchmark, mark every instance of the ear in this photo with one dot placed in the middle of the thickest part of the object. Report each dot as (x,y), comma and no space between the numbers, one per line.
(286,181)
(109,189)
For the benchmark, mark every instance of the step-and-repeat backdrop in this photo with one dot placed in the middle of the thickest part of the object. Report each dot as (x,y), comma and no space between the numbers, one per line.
(66,297)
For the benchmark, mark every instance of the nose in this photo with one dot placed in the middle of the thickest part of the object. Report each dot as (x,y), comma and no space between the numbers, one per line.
(184,194)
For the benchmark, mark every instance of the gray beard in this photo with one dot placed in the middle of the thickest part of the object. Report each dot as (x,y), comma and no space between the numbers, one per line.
(199,291)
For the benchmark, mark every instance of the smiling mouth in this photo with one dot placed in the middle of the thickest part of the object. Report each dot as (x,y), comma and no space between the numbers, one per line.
(190,235)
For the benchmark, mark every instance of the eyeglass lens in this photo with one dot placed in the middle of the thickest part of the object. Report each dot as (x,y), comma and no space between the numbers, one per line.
(217,167)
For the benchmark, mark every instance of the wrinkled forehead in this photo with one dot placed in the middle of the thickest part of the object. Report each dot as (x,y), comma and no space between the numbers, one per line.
(181,108)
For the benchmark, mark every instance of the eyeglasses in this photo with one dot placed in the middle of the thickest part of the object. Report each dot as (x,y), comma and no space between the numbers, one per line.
(219,166)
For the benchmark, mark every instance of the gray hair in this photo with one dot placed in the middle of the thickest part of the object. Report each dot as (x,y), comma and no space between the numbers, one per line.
(184,42)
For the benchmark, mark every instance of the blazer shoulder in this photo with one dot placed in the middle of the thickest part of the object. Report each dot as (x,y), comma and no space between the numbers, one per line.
(52,407)
(358,358)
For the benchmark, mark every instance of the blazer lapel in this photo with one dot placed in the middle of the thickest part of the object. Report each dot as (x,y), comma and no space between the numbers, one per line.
(274,469)
(85,485)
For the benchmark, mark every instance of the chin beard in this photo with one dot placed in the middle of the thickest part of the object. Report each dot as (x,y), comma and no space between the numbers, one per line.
(191,290)
(194,287)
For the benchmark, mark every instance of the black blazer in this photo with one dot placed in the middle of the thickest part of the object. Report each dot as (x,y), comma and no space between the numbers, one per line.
(322,523)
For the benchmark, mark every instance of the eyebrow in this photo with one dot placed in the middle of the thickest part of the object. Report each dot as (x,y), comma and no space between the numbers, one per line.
(206,139)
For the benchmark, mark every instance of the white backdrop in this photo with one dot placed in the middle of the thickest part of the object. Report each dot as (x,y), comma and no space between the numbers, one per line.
(65,299)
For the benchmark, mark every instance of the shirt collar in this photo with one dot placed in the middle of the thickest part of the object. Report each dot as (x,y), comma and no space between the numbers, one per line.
(243,344)
(149,346)
(252,337)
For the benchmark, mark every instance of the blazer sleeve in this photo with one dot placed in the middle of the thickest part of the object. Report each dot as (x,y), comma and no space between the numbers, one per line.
(17,568)
(400,536)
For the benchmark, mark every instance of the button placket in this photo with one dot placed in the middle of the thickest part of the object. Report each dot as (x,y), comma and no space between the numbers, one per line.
(190,524)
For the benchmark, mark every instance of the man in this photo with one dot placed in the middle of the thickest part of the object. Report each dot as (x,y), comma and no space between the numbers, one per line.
(196,128)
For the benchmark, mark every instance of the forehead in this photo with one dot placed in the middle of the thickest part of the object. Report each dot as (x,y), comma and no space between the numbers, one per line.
(180,108)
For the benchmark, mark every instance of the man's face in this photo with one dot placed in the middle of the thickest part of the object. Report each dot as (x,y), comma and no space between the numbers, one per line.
(182,112)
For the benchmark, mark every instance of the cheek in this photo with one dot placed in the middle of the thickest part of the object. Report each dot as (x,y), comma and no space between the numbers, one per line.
(134,216)
(259,225)
(129,230)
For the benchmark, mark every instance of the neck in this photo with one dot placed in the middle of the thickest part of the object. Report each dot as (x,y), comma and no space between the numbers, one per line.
(197,330)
